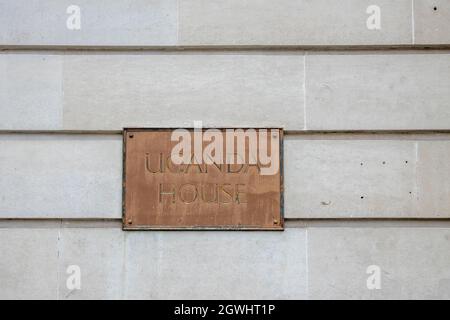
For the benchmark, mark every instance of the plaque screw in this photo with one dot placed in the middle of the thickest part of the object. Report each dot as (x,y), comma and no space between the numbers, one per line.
(275,221)
(130,221)
(131,136)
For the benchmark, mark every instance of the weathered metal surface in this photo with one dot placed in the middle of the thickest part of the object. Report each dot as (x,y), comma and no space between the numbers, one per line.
(160,194)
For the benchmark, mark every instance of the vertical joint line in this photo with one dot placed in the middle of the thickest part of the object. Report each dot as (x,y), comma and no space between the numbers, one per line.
(416,171)
(307,264)
(304,92)
(124,288)
(178,23)
(58,260)
(413,27)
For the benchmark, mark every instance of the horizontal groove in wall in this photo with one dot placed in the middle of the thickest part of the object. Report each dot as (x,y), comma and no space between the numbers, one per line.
(227,48)
(63,132)
(307,134)
(223,51)
(369,223)
(289,223)
(57,223)
(417,135)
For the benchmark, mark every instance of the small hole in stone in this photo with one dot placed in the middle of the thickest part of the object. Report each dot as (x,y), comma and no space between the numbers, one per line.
(406,161)
(435,8)
(131,136)
(362,197)
(410,192)
(384,162)
(361,163)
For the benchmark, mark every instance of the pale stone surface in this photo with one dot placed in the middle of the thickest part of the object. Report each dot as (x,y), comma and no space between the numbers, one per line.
(30,91)
(110,92)
(65,176)
(203,22)
(288,22)
(99,253)
(216,265)
(384,91)
(313,262)
(54,176)
(433,172)
(431,21)
(103,22)
(332,178)
(28,263)
(344,91)
(413,262)
(79,176)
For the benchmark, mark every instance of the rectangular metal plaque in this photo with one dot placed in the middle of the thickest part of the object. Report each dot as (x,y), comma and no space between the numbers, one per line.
(179,179)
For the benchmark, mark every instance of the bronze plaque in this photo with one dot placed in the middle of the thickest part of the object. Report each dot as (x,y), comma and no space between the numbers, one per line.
(179,179)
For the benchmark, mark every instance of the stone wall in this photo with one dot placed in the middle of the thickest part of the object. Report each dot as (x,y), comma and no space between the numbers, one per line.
(366,114)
